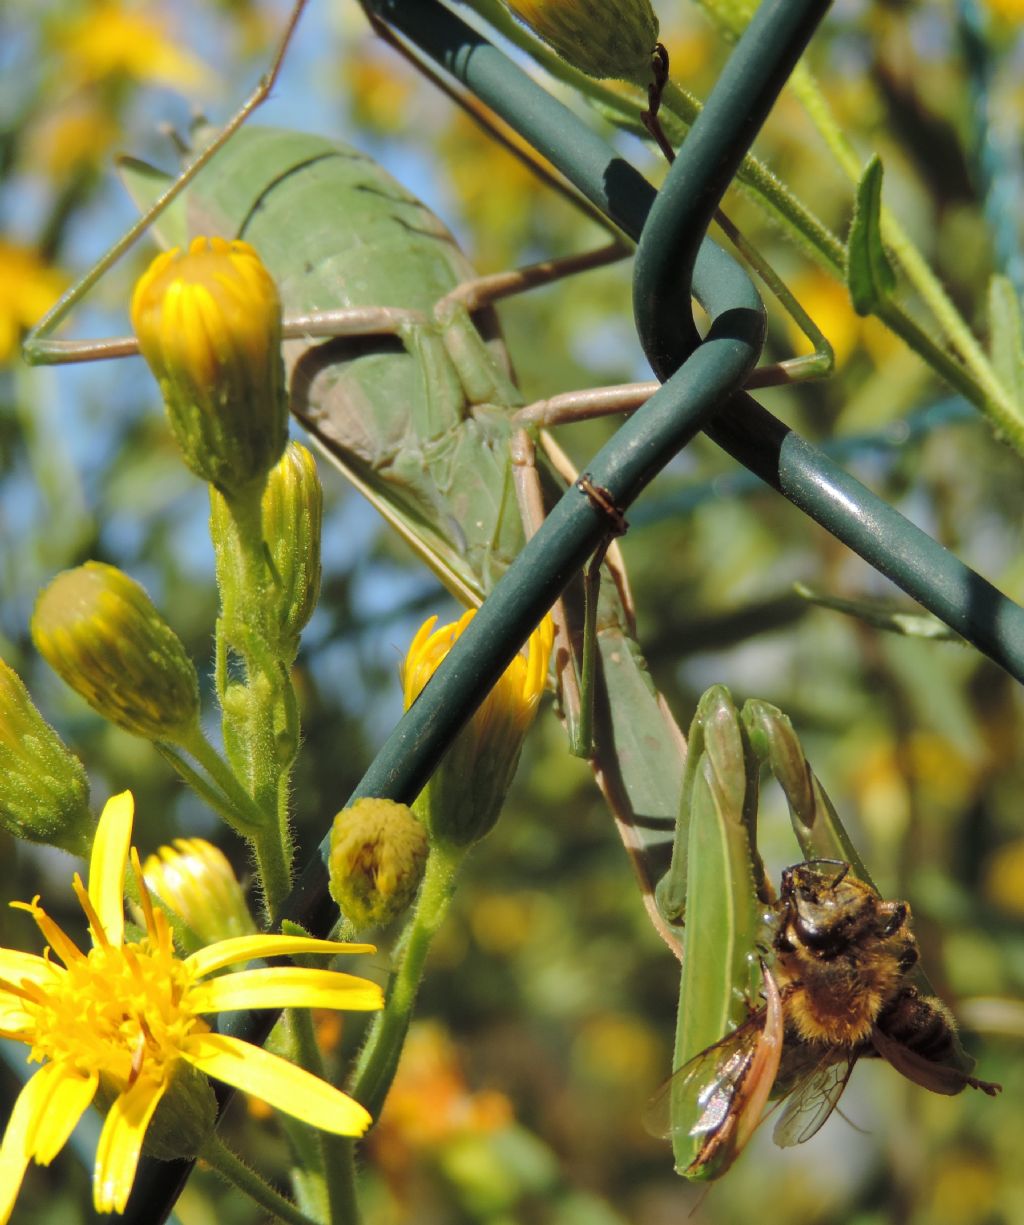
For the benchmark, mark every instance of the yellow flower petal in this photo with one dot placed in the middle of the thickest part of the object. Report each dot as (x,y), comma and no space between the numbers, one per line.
(245,948)
(285,987)
(16,1150)
(108,862)
(17,967)
(278,1082)
(71,1096)
(117,1154)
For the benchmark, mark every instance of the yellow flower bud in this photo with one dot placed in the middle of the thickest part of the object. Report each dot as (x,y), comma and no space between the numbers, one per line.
(99,631)
(464,797)
(378,852)
(603,38)
(292,517)
(209,325)
(44,793)
(194,880)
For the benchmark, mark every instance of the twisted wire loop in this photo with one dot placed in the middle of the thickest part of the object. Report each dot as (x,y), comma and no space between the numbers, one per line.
(701,379)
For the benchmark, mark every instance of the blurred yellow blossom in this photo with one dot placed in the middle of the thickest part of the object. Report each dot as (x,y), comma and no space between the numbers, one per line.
(430,1103)
(827,301)
(28,288)
(378,89)
(111,40)
(78,134)
(1010,10)
(1004,878)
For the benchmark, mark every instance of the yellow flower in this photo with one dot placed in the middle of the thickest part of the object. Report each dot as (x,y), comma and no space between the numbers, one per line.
(194,880)
(28,288)
(209,325)
(463,798)
(125,1020)
(512,700)
(110,41)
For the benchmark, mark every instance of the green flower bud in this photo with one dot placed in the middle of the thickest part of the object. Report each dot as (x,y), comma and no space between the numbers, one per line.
(209,325)
(99,631)
(195,882)
(291,517)
(603,38)
(44,793)
(378,852)
(463,798)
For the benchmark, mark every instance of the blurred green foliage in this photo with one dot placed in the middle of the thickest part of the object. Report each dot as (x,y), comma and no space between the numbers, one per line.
(548,1006)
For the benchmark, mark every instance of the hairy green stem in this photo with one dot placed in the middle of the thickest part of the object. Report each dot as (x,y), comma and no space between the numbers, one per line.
(235,1172)
(375,1069)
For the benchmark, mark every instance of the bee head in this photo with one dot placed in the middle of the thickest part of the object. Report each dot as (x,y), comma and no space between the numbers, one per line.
(823,908)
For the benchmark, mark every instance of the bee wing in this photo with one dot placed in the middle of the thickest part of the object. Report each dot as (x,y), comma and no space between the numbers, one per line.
(938,1077)
(709,1081)
(813,1100)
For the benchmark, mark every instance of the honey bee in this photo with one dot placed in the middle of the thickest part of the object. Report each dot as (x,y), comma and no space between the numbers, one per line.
(837,991)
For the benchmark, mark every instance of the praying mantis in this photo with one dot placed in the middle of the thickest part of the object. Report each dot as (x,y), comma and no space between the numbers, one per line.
(410,395)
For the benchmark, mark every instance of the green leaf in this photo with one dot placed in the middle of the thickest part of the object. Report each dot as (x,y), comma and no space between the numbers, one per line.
(1006,344)
(882,615)
(869,274)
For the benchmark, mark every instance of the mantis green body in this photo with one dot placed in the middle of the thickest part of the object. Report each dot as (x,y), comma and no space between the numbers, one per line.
(411,396)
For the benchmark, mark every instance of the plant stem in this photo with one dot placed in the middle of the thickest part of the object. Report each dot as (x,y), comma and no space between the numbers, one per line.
(247,817)
(375,1069)
(914,265)
(235,1172)
(378,1060)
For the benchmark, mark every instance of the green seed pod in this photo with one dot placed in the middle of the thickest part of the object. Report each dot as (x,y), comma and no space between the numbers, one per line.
(183,1122)
(99,631)
(378,852)
(209,325)
(44,793)
(603,38)
(194,880)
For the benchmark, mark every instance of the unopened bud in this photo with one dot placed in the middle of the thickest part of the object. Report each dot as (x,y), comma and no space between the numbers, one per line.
(603,38)
(99,631)
(462,800)
(194,881)
(209,325)
(44,793)
(292,518)
(378,852)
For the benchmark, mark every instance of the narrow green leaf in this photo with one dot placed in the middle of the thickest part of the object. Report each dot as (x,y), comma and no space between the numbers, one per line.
(882,615)
(1006,344)
(869,274)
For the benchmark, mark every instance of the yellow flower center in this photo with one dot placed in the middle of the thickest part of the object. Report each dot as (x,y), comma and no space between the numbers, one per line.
(119,1010)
